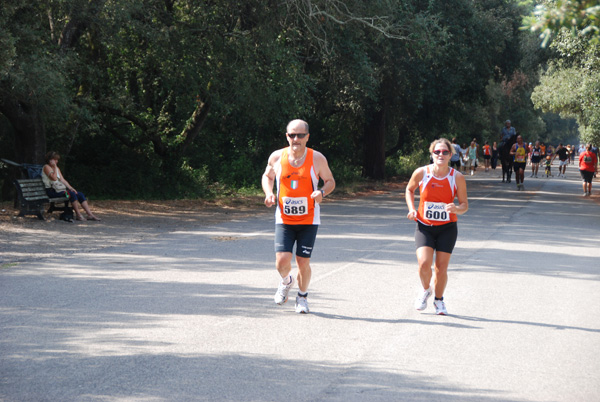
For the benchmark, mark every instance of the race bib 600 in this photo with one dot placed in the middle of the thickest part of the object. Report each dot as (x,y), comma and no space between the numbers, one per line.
(435,211)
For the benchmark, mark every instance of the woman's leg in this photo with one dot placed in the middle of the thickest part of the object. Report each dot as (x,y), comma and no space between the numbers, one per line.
(425,259)
(88,211)
(442,260)
(77,208)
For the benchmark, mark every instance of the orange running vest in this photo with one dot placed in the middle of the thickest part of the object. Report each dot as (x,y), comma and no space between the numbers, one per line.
(434,195)
(294,187)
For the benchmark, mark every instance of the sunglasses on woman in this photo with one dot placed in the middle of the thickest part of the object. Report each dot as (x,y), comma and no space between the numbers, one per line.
(445,153)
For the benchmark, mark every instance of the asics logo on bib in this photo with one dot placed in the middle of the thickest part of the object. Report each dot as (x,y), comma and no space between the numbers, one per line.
(290,201)
(435,207)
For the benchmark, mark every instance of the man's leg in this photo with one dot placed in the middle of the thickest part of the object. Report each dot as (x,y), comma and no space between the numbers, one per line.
(522,174)
(304,273)
(283,262)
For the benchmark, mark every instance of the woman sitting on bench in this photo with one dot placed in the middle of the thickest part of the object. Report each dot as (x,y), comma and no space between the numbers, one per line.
(55,182)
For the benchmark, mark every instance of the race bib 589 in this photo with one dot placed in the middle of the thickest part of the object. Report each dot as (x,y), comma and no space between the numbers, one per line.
(295,206)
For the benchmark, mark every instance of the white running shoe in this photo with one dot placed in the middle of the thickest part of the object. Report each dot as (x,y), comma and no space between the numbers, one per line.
(421,302)
(301,305)
(281,296)
(440,307)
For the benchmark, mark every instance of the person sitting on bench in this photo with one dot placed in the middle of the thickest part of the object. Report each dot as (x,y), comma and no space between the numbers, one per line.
(54,182)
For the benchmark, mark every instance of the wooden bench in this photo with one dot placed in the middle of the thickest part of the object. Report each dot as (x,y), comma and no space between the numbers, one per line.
(32,197)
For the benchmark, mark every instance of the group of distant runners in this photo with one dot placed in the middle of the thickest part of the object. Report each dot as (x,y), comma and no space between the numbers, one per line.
(523,154)
(296,171)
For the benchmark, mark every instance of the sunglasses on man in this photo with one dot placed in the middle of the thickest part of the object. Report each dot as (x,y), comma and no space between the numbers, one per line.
(292,136)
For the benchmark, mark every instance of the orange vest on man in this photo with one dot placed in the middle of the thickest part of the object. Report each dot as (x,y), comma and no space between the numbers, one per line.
(294,187)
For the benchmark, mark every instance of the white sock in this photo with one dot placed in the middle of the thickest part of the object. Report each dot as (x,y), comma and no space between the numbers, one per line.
(286,281)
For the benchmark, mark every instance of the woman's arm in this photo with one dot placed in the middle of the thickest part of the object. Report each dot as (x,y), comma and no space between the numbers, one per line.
(50,172)
(461,194)
(409,194)
(64,181)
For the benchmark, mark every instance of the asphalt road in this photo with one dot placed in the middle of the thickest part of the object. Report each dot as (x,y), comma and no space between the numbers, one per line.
(189,315)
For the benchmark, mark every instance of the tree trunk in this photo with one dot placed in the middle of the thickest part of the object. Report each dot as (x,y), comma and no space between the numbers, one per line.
(30,132)
(374,164)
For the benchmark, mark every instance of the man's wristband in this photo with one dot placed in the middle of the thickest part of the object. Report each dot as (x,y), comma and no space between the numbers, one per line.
(322,193)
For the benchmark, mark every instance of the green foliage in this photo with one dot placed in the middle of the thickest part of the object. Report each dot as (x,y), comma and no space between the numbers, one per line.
(571,85)
(345,172)
(400,165)
(578,16)
(155,99)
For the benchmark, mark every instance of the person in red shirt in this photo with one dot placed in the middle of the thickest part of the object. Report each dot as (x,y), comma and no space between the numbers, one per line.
(487,155)
(588,166)
(296,170)
(436,217)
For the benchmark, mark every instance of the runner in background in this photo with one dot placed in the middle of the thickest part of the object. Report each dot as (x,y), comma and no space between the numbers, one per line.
(536,157)
(487,155)
(588,166)
(519,151)
(563,157)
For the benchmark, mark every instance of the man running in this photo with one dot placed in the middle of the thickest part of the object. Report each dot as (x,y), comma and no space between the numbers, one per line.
(519,151)
(296,170)
(563,157)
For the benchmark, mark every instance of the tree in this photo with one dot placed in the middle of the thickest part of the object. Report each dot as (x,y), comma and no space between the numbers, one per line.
(571,84)
(578,16)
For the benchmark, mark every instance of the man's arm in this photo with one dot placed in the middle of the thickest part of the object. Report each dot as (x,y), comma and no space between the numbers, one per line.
(268,179)
(323,171)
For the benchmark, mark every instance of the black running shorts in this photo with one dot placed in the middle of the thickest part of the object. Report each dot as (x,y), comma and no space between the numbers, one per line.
(586,175)
(303,235)
(440,238)
(519,165)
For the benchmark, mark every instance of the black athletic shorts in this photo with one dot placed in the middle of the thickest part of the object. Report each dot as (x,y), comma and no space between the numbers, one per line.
(535,159)
(586,175)
(519,165)
(440,238)
(303,235)
(455,164)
